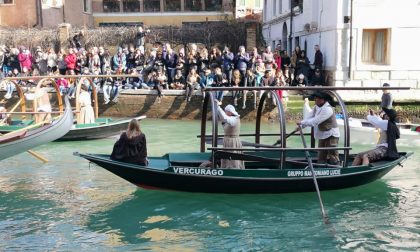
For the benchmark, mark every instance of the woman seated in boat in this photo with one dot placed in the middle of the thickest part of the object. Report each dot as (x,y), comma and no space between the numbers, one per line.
(389,133)
(44,109)
(86,111)
(4,118)
(232,126)
(131,147)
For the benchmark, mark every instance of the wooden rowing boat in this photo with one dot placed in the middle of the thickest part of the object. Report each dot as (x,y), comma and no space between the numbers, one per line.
(268,168)
(37,134)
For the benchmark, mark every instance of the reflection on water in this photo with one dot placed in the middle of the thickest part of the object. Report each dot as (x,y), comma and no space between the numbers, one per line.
(69,205)
(226,219)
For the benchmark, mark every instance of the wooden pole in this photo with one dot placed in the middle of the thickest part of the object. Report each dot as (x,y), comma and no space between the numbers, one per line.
(38,156)
(308,157)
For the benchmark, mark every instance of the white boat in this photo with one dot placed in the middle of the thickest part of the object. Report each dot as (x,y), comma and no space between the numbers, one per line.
(363,132)
(30,137)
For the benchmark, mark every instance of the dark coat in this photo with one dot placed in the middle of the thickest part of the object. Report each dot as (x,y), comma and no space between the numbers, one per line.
(392,134)
(132,150)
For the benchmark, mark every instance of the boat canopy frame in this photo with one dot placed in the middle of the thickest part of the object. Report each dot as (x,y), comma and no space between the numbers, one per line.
(18,89)
(210,100)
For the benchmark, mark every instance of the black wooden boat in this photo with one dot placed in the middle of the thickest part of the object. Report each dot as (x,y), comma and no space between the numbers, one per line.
(180,172)
(268,169)
(101,129)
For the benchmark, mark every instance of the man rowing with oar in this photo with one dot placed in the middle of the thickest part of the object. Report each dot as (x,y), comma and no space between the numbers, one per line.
(322,118)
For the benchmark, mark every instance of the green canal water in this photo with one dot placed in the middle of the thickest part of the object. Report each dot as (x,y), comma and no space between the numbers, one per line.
(69,205)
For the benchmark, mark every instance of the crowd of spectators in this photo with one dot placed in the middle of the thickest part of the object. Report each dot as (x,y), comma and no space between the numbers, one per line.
(161,67)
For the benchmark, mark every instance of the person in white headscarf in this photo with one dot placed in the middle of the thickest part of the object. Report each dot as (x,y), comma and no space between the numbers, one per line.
(231,125)
(87,114)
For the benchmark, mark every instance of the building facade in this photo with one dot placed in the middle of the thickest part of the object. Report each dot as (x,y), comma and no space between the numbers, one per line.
(18,13)
(75,12)
(251,9)
(45,13)
(90,13)
(382,41)
(160,12)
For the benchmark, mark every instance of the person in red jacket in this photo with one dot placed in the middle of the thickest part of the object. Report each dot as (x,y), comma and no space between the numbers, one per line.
(25,58)
(71,60)
(277,59)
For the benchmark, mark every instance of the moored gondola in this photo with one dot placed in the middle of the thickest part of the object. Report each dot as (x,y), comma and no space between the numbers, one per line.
(37,134)
(100,128)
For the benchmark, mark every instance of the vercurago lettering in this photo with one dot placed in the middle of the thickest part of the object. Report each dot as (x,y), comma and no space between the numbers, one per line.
(198,171)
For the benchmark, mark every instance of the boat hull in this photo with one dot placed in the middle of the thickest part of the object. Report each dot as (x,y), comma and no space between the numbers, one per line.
(97,132)
(252,181)
(39,136)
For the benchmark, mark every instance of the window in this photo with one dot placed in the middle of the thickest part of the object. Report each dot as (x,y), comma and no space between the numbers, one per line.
(111,6)
(152,6)
(131,6)
(193,5)
(242,3)
(274,7)
(6,2)
(213,5)
(86,6)
(50,3)
(265,10)
(374,46)
(258,4)
(122,24)
(172,5)
(298,3)
(280,7)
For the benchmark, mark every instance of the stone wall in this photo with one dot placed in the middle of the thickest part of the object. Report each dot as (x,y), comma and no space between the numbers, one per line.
(173,106)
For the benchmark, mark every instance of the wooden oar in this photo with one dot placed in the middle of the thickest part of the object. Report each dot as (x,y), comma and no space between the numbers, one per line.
(287,136)
(308,157)
(11,111)
(38,156)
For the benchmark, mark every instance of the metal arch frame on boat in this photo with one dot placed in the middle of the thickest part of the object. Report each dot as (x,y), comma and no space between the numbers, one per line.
(331,90)
(22,100)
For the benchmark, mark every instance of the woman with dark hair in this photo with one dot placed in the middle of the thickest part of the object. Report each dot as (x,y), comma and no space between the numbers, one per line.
(131,147)
(302,65)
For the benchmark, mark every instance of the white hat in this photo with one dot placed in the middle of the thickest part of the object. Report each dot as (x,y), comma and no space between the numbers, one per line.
(231,109)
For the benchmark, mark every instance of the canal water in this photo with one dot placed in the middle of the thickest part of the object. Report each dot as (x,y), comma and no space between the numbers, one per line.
(70,205)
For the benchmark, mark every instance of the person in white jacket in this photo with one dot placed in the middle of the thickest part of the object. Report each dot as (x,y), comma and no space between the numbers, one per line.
(232,126)
(386,147)
(322,118)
